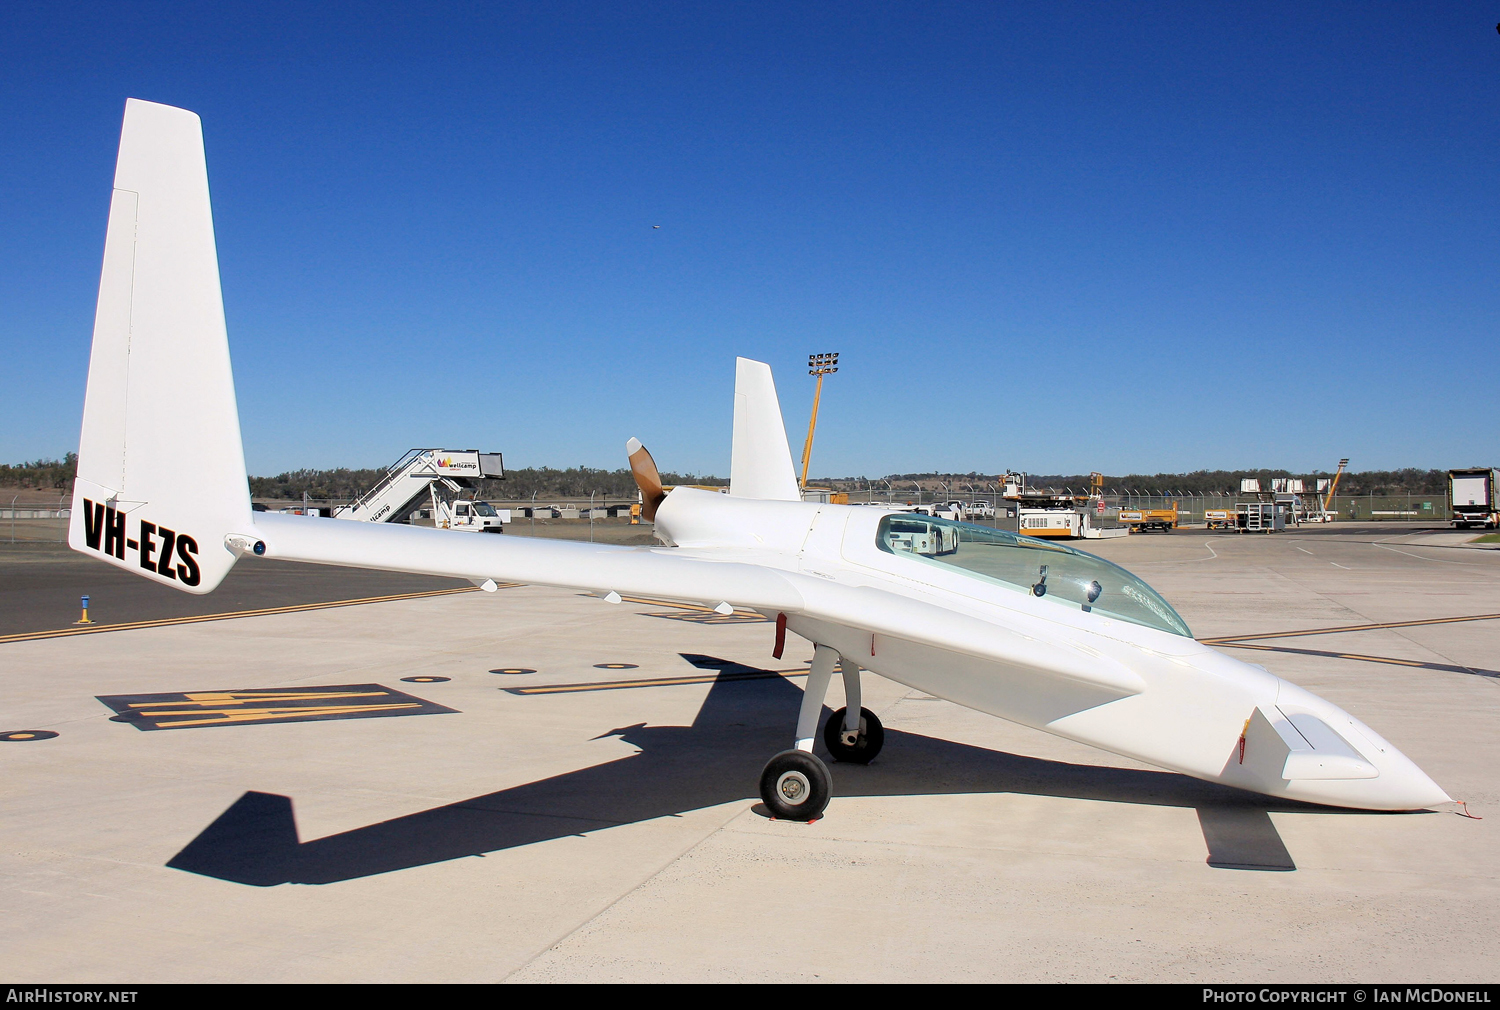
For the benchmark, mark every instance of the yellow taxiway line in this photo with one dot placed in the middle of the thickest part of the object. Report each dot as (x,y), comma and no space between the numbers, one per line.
(164,622)
(620,685)
(31,636)
(1235,639)
(738,611)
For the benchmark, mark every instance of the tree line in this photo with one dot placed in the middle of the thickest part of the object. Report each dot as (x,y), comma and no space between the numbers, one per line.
(518,485)
(41,473)
(1411,480)
(580,481)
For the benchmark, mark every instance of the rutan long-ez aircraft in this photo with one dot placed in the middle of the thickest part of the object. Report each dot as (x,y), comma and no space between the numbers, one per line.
(1023,629)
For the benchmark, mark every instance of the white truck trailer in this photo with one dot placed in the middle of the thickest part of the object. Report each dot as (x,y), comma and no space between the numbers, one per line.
(1471,498)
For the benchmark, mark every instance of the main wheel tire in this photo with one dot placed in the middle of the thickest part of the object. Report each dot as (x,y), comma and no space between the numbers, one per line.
(871,737)
(796,786)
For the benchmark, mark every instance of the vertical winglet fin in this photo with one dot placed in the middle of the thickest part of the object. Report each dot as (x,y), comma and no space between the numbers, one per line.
(161,470)
(760,464)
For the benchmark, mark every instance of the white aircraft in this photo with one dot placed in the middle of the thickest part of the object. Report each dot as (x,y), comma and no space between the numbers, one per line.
(1024,629)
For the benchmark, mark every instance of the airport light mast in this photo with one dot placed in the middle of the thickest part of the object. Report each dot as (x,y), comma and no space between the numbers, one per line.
(819,365)
(1328,502)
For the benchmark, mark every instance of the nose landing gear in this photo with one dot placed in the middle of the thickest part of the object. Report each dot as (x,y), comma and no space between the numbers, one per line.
(854,746)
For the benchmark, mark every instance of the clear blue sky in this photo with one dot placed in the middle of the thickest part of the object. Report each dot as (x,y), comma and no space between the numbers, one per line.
(1056,237)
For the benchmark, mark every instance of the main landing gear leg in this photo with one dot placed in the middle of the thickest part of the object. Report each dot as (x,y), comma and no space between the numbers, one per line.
(818,677)
(853,734)
(852,700)
(795,784)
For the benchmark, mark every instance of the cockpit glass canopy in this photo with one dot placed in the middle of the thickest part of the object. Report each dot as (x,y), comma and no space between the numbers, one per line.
(1047,570)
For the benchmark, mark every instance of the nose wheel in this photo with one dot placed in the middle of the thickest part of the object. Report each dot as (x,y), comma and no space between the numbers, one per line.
(854,747)
(796,786)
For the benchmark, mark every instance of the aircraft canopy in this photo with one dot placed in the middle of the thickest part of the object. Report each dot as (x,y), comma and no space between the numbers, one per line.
(1052,571)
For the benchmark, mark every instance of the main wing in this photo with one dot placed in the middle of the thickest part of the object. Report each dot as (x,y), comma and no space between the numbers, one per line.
(661,573)
(598,568)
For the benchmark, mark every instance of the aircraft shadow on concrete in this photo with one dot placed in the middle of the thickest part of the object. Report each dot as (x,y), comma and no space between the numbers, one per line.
(716,760)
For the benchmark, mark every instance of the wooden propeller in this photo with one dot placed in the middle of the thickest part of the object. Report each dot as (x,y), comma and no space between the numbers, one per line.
(647,478)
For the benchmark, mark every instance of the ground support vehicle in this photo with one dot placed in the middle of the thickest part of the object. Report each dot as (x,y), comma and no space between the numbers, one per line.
(1471,498)
(1219,519)
(435,480)
(1067,523)
(1051,522)
(1150,519)
(967,511)
(1044,513)
(942,510)
(470,516)
(1260,517)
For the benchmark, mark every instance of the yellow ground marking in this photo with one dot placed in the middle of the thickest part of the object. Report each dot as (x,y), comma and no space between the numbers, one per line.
(617,685)
(738,611)
(1234,639)
(1338,655)
(262,714)
(241,698)
(264,612)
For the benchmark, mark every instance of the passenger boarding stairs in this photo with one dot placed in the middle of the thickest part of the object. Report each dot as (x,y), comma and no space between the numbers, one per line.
(419,477)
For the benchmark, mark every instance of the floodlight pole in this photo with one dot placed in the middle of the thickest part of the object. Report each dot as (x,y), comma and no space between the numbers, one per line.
(819,365)
(1332,488)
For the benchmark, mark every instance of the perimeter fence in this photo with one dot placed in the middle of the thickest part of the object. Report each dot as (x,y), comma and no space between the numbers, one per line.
(35,522)
(1191,507)
(43,522)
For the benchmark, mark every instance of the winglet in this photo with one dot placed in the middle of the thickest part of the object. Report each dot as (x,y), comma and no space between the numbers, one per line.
(161,471)
(760,464)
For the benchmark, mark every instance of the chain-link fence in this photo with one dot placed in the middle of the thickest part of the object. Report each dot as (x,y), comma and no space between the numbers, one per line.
(1343,508)
(1404,506)
(34,522)
(1190,507)
(43,522)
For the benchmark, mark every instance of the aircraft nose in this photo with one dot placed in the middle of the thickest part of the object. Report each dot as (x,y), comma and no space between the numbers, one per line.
(1398,784)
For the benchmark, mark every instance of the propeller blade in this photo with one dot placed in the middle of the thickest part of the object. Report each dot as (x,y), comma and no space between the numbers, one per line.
(647,478)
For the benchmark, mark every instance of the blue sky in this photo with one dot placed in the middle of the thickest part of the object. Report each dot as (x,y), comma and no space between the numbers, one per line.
(1054,237)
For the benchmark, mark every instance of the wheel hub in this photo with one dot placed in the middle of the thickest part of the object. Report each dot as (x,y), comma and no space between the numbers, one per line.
(793,787)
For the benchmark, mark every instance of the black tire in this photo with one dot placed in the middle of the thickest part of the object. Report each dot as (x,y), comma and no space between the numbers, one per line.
(796,786)
(871,737)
